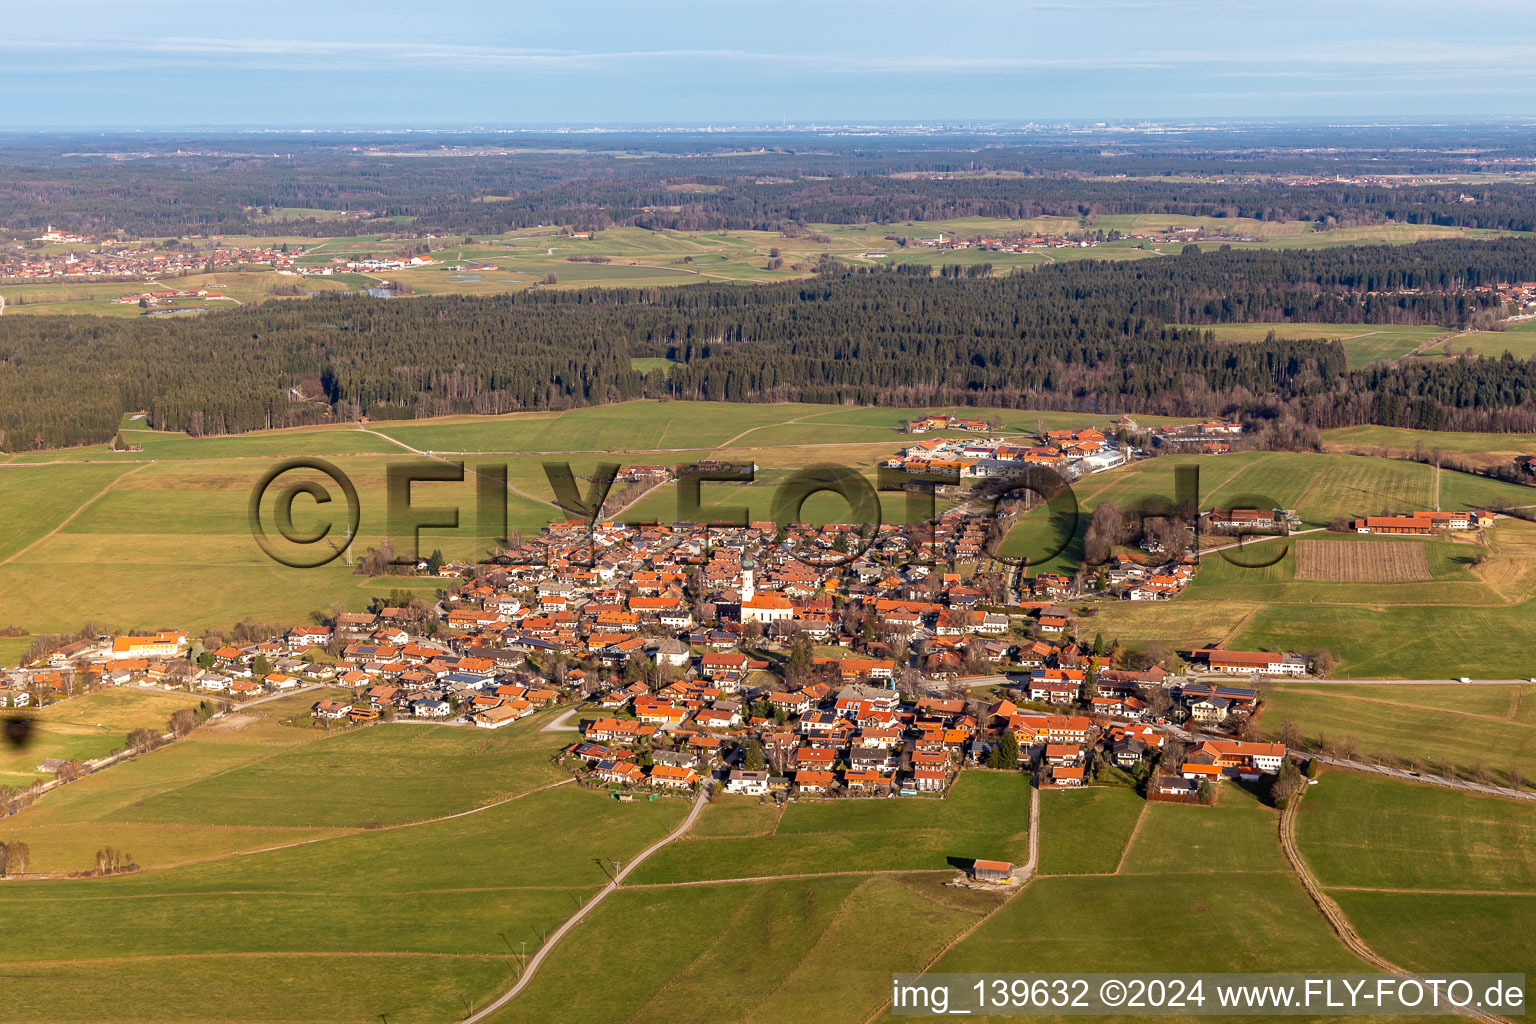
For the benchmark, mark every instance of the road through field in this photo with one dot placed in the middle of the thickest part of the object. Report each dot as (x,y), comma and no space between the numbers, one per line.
(559,933)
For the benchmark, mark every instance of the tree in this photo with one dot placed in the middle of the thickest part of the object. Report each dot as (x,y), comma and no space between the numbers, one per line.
(1007,750)
(1206,792)
(1323,662)
(14,858)
(753,760)
(1291,734)
(182,722)
(141,740)
(801,655)
(1286,784)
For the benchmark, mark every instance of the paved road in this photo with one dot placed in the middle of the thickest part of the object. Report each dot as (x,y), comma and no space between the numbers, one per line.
(559,933)
(1409,682)
(1402,774)
(1426,777)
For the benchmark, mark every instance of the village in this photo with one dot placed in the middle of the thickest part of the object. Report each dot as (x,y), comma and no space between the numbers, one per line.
(731,706)
(763,660)
(141,261)
(788,662)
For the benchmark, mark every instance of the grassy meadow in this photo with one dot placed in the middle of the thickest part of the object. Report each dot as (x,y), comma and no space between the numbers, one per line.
(1415,866)
(1432,726)
(1363,343)
(986,816)
(1216,872)
(628,257)
(87,727)
(1404,630)
(352,912)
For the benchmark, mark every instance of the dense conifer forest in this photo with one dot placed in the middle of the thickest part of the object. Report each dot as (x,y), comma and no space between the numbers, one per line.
(1089,335)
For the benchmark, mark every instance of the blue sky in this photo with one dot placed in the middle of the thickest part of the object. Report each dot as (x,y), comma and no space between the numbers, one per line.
(90,63)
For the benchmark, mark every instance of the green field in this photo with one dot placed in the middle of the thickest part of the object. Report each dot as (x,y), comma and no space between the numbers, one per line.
(797,951)
(418,921)
(1363,343)
(366,892)
(1399,439)
(251,779)
(1402,630)
(1413,866)
(87,727)
(1216,872)
(1432,726)
(1519,340)
(1085,831)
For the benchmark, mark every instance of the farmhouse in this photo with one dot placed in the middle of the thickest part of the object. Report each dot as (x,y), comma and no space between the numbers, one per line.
(1247,518)
(1265,663)
(1243,759)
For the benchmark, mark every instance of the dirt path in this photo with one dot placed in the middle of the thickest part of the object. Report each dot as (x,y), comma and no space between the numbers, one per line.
(730,441)
(1024,875)
(87,503)
(433,455)
(1131,841)
(1333,913)
(558,724)
(555,936)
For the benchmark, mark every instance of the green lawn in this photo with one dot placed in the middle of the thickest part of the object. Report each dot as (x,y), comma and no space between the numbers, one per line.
(1213,872)
(415,922)
(252,780)
(1410,630)
(797,951)
(1405,440)
(1363,831)
(1363,343)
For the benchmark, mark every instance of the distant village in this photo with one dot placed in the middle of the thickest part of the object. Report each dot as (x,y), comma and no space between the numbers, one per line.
(141,260)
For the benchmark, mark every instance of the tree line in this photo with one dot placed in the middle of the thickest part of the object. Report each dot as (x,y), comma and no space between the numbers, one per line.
(1090,335)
